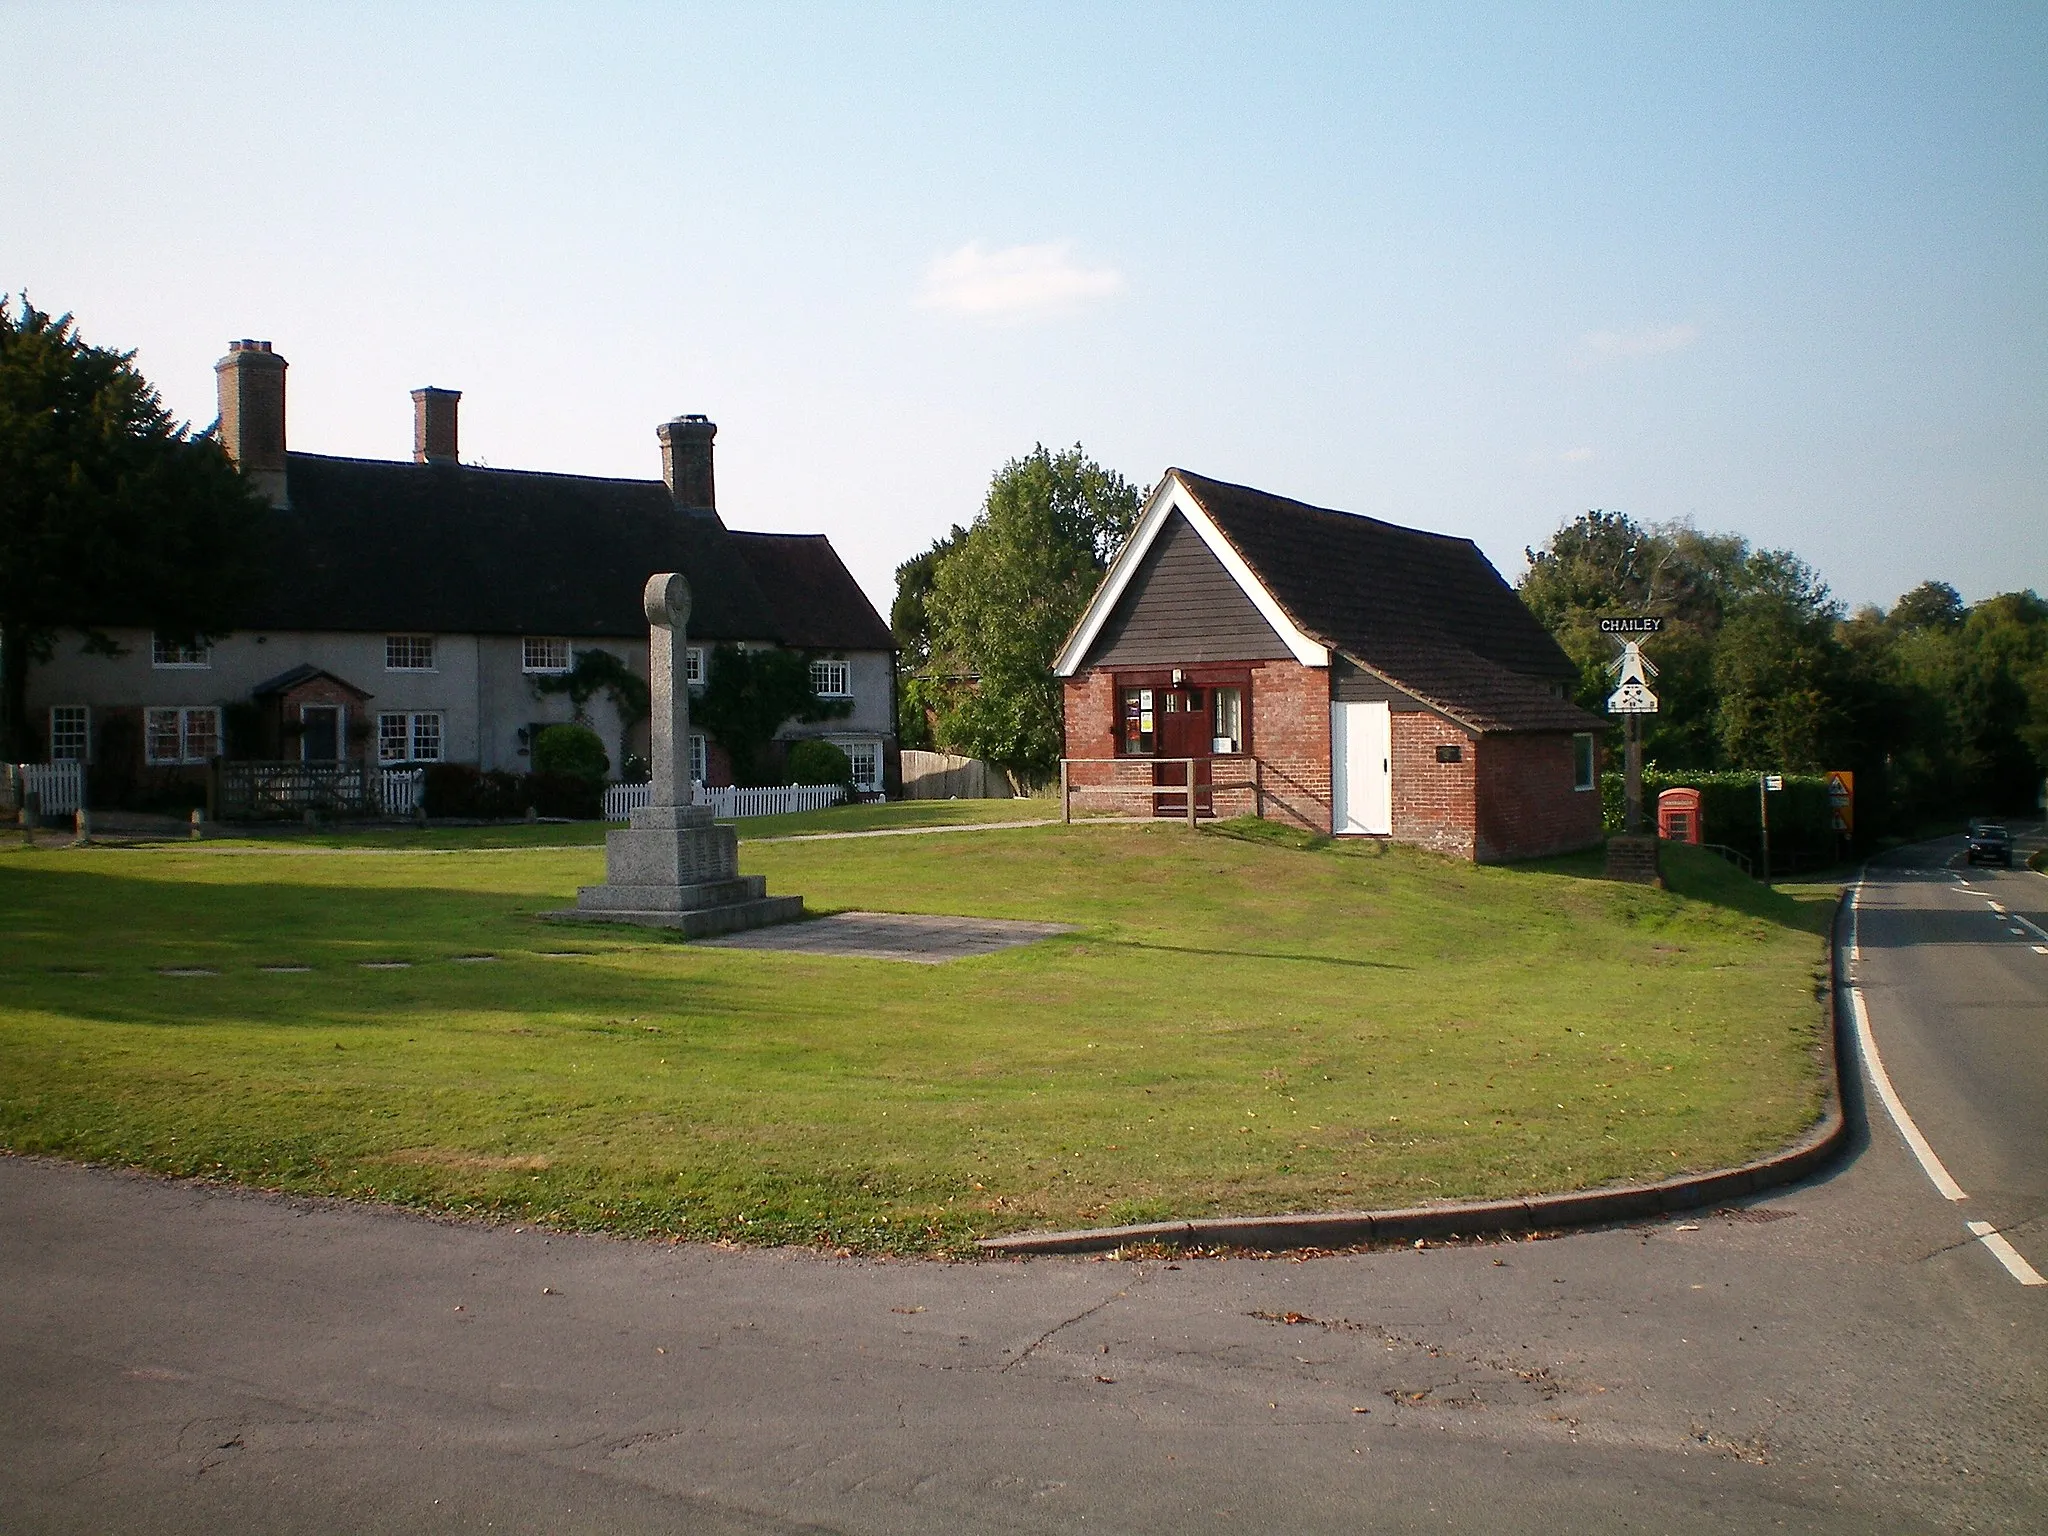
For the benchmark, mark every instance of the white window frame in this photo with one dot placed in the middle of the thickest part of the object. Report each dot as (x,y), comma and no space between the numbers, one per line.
(693,665)
(183,717)
(83,734)
(700,758)
(827,670)
(529,644)
(391,649)
(1585,762)
(166,657)
(848,744)
(1226,743)
(416,726)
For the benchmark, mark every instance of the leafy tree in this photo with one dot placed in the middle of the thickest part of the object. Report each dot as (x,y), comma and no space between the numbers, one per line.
(1005,596)
(111,513)
(570,749)
(812,761)
(919,696)
(750,695)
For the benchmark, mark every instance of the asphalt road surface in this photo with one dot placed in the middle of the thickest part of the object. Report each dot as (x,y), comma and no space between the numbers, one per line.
(1846,1356)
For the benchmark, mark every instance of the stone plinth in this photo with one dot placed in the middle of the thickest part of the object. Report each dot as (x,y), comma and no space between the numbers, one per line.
(1633,858)
(673,866)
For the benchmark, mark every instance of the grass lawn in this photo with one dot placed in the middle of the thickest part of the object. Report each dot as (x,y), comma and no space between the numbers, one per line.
(1245,1020)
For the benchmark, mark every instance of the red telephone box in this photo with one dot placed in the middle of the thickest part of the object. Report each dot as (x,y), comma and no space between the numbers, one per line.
(1678,815)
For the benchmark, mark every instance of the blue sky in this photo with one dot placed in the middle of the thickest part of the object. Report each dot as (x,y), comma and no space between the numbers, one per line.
(1779,269)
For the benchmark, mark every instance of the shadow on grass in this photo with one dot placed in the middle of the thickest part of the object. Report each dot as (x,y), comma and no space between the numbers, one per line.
(1251,954)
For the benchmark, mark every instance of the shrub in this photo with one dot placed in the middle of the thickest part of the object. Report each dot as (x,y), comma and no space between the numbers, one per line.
(572,750)
(458,790)
(1802,830)
(819,762)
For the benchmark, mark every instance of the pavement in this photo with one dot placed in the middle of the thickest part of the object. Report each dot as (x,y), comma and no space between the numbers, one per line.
(921,938)
(1843,1356)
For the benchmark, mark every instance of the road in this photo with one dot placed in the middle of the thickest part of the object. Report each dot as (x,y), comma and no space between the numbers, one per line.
(1842,1357)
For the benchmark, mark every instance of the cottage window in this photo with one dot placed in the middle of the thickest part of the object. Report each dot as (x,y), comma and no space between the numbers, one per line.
(409,738)
(1135,727)
(180,735)
(541,653)
(829,679)
(166,653)
(700,758)
(68,741)
(866,758)
(408,653)
(693,666)
(1229,736)
(1582,761)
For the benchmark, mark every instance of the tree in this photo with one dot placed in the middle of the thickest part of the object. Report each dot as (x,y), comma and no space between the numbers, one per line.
(1005,596)
(919,695)
(749,696)
(600,671)
(111,513)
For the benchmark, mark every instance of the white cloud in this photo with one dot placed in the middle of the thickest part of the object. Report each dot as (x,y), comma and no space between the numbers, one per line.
(1651,341)
(1014,283)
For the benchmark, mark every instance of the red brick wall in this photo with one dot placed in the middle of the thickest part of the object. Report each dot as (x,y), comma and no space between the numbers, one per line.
(1527,805)
(1435,804)
(359,718)
(1289,733)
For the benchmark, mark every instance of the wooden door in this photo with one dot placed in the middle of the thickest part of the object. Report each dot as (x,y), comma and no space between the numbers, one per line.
(1361,763)
(320,741)
(1182,718)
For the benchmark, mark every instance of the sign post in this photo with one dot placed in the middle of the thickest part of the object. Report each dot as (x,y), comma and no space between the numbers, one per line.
(1631,700)
(1767,784)
(1842,804)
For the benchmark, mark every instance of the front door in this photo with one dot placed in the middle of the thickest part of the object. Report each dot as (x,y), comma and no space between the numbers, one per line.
(320,732)
(1183,726)
(1361,764)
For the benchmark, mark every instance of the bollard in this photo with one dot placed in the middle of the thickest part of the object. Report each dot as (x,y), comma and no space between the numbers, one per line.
(31,813)
(532,814)
(198,822)
(81,826)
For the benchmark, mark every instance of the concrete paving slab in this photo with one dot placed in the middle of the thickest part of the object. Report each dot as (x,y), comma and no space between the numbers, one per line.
(921,938)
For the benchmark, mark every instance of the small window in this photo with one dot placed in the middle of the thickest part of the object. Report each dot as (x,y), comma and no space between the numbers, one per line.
(1135,728)
(408,653)
(1450,752)
(68,735)
(1582,761)
(693,666)
(1229,714)
(538,653)
(163,653)
(700,758)
(828,679)
(409,738)
(180,735)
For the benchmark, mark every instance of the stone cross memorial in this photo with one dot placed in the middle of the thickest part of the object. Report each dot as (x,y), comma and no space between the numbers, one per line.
(673,867)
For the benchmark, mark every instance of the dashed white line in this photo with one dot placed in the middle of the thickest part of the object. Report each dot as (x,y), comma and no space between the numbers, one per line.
(2005,1253)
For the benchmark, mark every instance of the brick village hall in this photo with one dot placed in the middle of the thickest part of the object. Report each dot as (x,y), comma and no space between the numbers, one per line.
(1335,672)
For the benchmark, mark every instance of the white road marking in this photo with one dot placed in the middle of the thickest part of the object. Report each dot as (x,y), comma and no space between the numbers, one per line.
(1997,908)
(2005,1253)
(2041,949)
(1932,1166)
(1929,1163)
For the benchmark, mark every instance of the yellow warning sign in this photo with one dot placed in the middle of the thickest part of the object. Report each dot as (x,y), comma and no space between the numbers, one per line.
(1842,800)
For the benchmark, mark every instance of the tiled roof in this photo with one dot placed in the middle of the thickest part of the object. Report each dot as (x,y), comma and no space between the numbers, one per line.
(371,544)
(816,603)
(1425,610)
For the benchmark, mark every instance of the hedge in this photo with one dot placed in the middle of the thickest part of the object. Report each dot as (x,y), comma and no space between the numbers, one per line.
(456,789)
(1802,829)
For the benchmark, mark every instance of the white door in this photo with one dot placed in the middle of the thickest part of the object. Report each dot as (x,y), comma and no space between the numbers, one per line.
(1361,764)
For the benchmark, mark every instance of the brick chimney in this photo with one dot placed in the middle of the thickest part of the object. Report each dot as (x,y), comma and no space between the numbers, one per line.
(433,425)
(686,463)
(251,379)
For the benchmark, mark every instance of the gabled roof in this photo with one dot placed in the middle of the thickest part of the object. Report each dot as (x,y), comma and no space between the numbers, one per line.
(816,603)
(304,672)
(1426,611)
(374,544)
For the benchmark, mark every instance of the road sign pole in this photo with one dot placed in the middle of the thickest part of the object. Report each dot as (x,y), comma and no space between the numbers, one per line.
(1632,775)
(1763,812)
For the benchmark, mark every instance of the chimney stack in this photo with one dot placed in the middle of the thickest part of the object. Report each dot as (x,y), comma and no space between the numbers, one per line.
(433,425)
(686,463)
(251,379)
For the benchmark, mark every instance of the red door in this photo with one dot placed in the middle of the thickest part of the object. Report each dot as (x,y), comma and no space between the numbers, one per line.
(1183,725)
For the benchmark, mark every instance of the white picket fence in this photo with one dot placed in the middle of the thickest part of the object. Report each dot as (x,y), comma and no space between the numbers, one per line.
(60,787)
(399,790)
(730,801)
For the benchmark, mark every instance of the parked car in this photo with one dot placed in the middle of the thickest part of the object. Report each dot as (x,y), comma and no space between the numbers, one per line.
(1990,843)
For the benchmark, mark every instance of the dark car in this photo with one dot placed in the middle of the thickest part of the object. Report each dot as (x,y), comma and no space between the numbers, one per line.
(1990,843)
